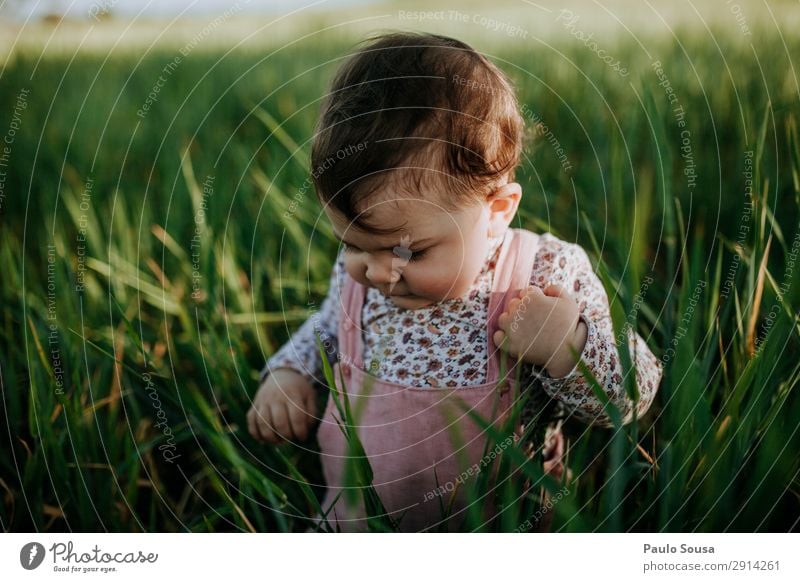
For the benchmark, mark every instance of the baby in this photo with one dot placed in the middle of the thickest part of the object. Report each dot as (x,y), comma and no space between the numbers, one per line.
(414,161)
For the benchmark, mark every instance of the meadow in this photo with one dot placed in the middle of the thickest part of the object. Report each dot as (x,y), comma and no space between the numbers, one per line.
(160,238)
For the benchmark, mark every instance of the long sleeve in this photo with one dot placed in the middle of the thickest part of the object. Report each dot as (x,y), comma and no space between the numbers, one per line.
(301,352)
(568,265)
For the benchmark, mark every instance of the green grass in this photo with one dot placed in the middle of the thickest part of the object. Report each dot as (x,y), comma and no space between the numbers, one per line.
(151,373)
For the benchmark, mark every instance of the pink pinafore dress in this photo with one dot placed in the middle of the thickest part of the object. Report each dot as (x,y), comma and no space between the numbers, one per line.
(417,440)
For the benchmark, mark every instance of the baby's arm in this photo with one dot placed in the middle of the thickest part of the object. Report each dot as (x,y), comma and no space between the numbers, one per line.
(568,265)
(285,406)
(301,352)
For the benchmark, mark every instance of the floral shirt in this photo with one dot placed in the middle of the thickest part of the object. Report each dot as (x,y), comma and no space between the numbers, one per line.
(446,344)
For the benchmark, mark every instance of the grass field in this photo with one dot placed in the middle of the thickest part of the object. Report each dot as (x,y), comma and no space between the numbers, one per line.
(160,240)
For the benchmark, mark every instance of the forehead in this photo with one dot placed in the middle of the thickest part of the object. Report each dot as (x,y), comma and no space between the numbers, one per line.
(421,218)
(395,215)
(415,198)
(415,192)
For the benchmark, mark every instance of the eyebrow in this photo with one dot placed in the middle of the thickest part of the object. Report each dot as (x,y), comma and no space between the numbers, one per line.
(414,243)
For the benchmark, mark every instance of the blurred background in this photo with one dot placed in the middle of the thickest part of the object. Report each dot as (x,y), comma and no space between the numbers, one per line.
(160,239)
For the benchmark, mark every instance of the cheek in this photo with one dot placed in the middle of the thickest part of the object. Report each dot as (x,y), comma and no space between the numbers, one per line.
(353,268)
(427,280)
(458,271)
(439,277)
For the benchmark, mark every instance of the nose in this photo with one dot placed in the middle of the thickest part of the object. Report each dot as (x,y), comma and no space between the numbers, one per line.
(380,272)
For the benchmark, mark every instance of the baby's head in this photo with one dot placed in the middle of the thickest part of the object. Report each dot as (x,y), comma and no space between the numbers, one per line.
(413,160)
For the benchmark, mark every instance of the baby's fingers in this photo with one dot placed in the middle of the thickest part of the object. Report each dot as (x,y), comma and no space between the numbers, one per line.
(251,424)
(555,468)
(280,424)
(498,337)
(502,320)
(554,448)
(554,290)
(299,420)
(258,425)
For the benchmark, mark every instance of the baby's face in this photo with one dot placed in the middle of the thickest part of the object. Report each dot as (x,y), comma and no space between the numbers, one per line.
(435,256)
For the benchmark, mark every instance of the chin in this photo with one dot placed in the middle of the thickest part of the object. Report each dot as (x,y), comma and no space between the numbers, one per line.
(411,302)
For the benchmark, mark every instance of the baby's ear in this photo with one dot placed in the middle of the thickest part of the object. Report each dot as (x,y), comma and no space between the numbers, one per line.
(503,203)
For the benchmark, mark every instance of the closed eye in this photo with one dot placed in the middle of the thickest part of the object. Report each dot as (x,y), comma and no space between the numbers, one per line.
(417,255)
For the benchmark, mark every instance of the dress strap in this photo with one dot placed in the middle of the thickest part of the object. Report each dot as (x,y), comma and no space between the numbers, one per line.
(352,299)
(512,274)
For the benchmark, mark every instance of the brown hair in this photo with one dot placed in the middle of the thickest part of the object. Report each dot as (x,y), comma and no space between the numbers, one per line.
(406,102)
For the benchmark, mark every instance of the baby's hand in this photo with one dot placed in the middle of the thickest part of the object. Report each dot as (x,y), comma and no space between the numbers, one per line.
(284,408)
(540,327)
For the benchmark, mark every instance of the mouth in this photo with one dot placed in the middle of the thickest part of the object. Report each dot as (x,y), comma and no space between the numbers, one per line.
(388,293)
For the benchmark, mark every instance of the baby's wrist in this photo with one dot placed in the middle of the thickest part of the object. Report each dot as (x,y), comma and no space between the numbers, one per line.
(563,361)
(285,371)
